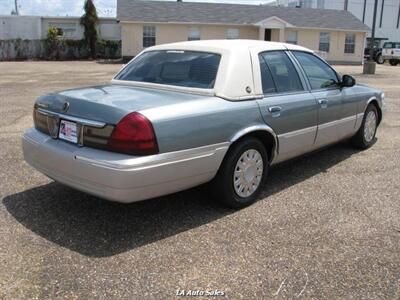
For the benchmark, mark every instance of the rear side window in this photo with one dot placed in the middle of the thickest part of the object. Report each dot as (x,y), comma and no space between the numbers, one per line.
(319,74)
(268,84)
(283,72)
(179,68)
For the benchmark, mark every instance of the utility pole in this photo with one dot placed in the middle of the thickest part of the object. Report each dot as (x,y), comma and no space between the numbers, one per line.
(16,7)
(370,64)
(372,43)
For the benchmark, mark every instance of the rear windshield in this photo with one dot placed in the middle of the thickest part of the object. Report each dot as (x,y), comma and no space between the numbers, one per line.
(179,68)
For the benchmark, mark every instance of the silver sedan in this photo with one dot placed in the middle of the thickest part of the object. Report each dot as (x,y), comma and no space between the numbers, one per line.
(180,115)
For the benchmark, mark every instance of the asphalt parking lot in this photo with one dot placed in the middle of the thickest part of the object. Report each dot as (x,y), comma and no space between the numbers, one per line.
(327,228)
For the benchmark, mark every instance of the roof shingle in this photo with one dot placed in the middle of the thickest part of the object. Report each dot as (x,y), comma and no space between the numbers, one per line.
(218,13)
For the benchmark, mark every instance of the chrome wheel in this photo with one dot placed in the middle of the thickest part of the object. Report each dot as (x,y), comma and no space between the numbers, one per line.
(370,126)
(380,60)
(248,173)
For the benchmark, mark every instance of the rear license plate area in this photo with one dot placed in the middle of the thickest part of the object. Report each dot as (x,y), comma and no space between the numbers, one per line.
(68,131)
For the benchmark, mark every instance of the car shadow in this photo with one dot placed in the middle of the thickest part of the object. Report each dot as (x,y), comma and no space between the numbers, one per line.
(98,228)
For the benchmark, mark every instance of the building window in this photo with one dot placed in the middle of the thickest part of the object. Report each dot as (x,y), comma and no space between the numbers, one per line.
(350,43)
(291,37)
(149,36)
(66,30)
(193,34)
(324,41)
(233,33)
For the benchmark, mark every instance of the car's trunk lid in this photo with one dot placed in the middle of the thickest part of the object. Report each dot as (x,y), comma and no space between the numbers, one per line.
(109,103)
(88,116)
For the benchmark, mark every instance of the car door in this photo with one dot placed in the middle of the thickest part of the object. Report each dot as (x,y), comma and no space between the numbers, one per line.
(336,110)
(386,49)
(287,106)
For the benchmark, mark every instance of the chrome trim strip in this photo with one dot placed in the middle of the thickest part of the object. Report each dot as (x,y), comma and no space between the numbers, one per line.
(152,161)
(43,105)
(337,122)
(298,132)
(82,121)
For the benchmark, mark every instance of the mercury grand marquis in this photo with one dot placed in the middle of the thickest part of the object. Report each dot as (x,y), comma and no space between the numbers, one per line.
(183,114)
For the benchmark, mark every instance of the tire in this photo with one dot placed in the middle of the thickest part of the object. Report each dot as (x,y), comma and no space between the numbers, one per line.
(250,150)
(365,136)
(379,59)
(393,62)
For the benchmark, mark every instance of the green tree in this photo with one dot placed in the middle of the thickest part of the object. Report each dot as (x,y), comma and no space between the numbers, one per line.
(52,42)
(89,21)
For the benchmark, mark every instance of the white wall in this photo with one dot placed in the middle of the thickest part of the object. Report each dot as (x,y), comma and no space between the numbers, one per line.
(22,27)
(108,29)
(389,20)
(48,22)
(35,27)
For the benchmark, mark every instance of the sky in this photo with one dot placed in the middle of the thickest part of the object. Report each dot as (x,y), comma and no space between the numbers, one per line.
(105,8)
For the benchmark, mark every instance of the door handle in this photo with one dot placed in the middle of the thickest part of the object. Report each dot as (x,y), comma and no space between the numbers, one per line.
(275,109)
(323,103)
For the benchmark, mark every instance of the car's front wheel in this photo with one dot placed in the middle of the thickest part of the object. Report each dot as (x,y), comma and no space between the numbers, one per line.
(242,174)
(393,62)
(365,136)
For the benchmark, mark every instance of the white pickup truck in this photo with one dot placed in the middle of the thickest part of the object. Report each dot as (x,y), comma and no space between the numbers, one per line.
(391,52)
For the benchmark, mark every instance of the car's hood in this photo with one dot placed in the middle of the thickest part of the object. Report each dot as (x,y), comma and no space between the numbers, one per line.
(109,103)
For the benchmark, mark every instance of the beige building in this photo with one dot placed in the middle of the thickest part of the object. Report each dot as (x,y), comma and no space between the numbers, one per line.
(337,36)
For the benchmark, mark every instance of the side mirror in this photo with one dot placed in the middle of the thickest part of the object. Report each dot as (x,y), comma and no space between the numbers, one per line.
(348,81)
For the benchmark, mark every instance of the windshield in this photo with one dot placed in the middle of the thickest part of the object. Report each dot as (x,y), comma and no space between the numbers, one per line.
(179,68)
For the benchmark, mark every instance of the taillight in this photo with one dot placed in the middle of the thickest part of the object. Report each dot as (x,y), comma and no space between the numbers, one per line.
(134,134)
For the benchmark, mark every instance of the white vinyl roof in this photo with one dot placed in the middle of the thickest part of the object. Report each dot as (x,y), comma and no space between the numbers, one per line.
(235,78)
(226,45)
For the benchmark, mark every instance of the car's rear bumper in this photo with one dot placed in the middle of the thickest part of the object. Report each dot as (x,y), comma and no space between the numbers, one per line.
(120,177)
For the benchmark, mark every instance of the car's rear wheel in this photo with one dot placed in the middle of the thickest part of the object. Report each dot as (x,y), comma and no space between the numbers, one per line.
(393,62)
(242,174)
(365,136)
(379,59)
